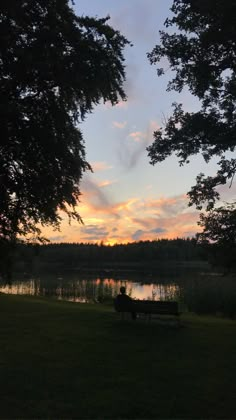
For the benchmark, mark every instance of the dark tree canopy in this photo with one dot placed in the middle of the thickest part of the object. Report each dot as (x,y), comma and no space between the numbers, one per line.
(54,67)
(202,53)
(219,226)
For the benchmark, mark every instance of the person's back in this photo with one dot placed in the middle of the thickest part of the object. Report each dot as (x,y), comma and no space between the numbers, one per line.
(124,302)
(123,298)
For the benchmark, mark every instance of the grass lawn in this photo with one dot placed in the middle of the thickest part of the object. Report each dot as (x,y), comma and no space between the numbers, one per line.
(66,360)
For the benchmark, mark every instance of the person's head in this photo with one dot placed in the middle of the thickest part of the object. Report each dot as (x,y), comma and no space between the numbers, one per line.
(122,290)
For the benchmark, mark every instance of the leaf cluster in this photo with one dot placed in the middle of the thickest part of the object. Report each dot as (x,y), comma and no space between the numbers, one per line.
(219,226)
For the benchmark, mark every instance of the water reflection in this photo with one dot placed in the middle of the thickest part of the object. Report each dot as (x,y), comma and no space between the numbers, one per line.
(90,289)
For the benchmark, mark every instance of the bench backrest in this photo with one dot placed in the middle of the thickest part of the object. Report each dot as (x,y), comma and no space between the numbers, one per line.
(156,307)
(148,307)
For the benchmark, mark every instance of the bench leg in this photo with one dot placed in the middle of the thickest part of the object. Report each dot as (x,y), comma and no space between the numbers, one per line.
(127,315)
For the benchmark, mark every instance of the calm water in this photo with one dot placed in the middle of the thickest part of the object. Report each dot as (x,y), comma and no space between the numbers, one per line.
(78,288)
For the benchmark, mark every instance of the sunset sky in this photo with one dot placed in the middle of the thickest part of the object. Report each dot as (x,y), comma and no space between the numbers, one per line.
(126,199)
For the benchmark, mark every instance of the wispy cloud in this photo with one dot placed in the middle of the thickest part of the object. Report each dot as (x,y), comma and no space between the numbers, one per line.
(93,232)
(154,126)
(106,183)
(96,198)
(227,192)
(119,125)
(137,136)
(139,234)
(130,23)
(136,235)
(130,153)
(129,156)
(121,104)
(57,238)
(100,166)
(94,195)
(169,205)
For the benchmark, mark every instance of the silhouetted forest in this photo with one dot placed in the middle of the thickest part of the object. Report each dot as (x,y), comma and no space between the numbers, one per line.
(148,256)
(85,255)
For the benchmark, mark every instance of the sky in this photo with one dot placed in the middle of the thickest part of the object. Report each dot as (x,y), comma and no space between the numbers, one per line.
(126,199)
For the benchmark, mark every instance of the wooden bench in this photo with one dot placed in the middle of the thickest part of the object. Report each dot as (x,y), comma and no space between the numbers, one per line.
(149,308)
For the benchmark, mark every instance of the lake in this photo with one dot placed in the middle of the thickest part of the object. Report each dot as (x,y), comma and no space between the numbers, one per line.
(93,288)
(197,291)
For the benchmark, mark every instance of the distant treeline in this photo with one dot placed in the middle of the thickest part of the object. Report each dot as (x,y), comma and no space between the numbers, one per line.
(81,255)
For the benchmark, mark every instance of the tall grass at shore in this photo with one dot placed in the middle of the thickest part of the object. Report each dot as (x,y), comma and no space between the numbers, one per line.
(211,294)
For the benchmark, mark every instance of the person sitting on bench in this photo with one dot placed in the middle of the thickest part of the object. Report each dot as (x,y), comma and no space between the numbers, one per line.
(126,301)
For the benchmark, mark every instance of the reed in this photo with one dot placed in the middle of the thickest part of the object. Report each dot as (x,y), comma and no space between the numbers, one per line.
(212,294)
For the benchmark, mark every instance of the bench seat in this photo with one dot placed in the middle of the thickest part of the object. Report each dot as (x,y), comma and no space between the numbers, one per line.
(149,307)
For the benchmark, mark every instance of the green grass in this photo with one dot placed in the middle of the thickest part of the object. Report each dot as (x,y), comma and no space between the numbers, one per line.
(65,360)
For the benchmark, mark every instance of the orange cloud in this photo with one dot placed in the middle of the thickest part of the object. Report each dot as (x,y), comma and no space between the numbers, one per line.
(105,183)
(127,221)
